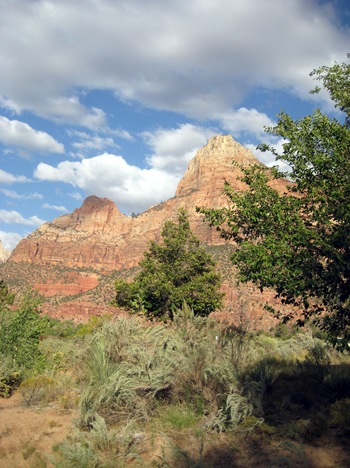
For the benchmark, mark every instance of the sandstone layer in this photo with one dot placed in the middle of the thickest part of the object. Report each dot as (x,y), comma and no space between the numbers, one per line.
(97,239)
(4,254)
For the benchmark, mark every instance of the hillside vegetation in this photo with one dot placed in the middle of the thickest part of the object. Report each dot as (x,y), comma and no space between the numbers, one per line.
(191,392)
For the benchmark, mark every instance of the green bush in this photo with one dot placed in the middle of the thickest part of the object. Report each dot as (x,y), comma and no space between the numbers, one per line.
(178,270)
(10,378)
(132,368)
(20,333)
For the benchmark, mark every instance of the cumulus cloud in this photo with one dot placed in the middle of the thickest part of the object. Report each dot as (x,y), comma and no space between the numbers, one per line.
(244,121)
(7,178)
(132,188)
(120,133)
(69,110)
(22,135)
(13,217)
(10,239)
(174,148)
(202,57)
(266,157)
(109,175)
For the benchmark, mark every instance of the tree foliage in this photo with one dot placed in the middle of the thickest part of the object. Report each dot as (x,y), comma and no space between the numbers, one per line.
(298,242)
(6,298)
(20,332)
(177,270)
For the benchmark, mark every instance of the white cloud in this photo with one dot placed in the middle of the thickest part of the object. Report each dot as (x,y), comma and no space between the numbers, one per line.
(21,196)
(61,208)
(124,134)
(22,135)
(13,217)
(76,196)
(10,239)
(245,121)
(70,110)
(202,58)
(132,188)
(93,142)
(266,157)
(174,148)
(7,178)
(108,175)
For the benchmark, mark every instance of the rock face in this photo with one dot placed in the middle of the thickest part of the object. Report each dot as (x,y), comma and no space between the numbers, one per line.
(97,236)
(4,254)
(212,165)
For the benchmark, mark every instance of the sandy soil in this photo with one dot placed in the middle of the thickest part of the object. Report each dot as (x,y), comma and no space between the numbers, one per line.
(27,434)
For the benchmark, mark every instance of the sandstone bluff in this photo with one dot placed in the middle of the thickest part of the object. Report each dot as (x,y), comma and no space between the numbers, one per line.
(4,254)
(71,260)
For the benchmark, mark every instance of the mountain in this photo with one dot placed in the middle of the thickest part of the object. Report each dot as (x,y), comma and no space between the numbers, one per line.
(99,236)
(4,254)
(72,260)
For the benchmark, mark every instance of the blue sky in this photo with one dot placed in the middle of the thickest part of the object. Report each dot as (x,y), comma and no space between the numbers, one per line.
(113,98)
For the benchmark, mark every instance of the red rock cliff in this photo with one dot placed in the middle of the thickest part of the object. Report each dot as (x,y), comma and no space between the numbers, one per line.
(99,236)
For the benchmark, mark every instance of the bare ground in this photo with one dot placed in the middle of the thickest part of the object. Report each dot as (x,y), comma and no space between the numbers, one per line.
(29,434)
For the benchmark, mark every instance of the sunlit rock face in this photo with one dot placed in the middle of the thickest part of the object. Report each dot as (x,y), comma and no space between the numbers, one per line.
(97,239)
(4,254)
(99,236)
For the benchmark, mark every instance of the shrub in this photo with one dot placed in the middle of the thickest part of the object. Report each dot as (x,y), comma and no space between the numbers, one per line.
(20,333)
(35,389)
(340,416)
(128,366)
(99,447)
(10,377)
(175,271)
(337,380)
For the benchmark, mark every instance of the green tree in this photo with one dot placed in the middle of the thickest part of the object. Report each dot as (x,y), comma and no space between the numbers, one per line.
(175,271)
(20,332)
(298,242)
(6,298)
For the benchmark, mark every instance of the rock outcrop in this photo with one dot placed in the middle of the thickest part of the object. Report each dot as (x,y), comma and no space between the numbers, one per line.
(4,254)
(97,235)
(97,239)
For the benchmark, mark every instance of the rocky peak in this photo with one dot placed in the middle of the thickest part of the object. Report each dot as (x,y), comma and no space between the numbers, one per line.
(94,216)
(97,236)
(213,163)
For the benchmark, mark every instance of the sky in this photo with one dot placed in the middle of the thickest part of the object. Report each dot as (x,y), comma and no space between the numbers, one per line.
(114,97)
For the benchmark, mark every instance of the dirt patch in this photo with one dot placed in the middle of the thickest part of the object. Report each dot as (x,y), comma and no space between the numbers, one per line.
(27,434)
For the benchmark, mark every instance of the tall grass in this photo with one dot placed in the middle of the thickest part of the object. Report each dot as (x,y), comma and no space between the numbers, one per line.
(195,374)
(131,368)
(99,447)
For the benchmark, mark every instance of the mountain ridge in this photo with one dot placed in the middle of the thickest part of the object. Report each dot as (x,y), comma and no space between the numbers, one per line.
(97,240)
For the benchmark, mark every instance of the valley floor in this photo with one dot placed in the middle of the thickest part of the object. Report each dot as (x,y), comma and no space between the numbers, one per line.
(29,434)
